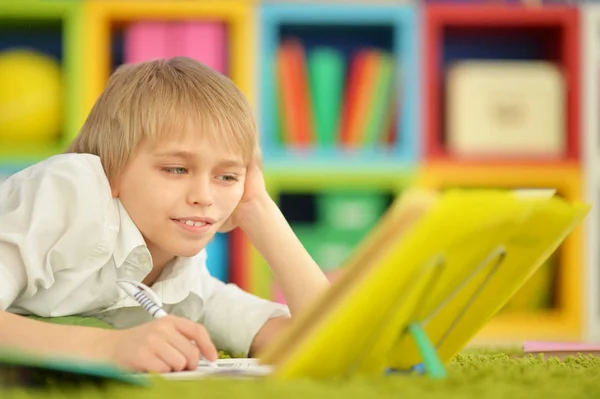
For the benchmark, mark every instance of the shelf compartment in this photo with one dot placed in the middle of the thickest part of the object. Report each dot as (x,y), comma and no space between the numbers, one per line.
(53,30)
(306,196)
(494,33)
(321,44)
(565,319)
(105,44)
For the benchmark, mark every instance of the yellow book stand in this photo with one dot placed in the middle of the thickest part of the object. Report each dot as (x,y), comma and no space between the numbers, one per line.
(435,269)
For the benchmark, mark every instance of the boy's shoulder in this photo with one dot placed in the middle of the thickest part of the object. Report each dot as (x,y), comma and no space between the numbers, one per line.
(63,166)
(74,176)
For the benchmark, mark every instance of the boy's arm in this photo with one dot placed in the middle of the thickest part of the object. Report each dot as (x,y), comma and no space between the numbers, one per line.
(161,345)
(49,339)
(239,322)
(269,331)
(299,277)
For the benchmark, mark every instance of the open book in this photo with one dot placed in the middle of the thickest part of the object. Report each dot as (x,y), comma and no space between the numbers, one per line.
(433,272)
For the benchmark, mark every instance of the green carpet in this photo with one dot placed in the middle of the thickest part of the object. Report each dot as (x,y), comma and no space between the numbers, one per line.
(475,373)
(472,375)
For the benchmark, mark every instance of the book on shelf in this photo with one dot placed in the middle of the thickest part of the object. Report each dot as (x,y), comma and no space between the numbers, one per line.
(327,99)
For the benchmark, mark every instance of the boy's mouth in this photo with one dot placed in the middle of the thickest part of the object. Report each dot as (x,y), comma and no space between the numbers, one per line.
(191,222)
(194,224)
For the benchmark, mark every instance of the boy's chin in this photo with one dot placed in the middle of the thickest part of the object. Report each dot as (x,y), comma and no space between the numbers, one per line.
(187,251)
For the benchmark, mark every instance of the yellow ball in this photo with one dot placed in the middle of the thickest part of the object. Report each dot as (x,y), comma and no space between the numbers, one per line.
(31,97)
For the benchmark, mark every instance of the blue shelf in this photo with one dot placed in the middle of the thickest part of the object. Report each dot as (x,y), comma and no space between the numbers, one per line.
(218,257)
(344,27)
(337,161)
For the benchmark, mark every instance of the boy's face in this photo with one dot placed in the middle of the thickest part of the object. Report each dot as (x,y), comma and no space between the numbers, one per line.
(179,193)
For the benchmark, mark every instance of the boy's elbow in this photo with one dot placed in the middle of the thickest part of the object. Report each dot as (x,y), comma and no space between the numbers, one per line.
(271,330)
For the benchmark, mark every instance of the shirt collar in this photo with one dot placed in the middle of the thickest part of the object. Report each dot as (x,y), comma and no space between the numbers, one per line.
(180,278)
(133,261)
(130,245)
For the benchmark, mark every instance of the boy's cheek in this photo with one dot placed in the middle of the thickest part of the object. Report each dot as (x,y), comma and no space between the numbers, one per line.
(227,226)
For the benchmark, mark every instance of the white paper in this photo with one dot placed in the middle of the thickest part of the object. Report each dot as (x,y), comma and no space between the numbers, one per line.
(228,368)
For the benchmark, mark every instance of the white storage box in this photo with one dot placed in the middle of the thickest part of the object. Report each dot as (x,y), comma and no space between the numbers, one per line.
(505,108)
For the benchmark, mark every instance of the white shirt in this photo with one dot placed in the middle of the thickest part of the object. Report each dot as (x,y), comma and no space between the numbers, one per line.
(64,241)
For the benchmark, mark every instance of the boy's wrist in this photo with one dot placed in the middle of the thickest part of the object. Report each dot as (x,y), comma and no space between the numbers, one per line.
(261,210)
(101,344)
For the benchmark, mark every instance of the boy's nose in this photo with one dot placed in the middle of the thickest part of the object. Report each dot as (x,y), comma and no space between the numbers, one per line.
(200,194)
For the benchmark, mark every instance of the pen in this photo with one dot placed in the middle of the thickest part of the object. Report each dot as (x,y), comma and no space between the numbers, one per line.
(146,298)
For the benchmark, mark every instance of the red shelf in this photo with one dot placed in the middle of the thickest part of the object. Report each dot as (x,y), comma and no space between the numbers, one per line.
(239,247)
(555,27)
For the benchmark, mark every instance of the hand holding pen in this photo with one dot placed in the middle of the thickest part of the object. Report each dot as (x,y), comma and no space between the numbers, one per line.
(167,344)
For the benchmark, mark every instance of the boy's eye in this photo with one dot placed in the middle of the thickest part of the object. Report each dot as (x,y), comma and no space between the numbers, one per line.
(178,170)
(229,178)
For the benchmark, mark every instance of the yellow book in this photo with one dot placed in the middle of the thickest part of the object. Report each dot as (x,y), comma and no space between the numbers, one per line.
(434,270)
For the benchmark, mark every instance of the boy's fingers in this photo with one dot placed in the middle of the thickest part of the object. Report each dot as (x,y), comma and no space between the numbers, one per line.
(155,365)
(186,347)
(173,357)
(197,333)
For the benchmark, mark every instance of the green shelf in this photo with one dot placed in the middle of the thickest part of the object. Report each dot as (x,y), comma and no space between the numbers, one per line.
(70,15)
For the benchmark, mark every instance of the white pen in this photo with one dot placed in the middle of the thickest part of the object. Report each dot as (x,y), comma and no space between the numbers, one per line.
(146,298)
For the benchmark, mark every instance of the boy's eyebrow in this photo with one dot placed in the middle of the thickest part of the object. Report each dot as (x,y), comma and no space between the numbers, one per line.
(227,163)
(176,154)
(231,163)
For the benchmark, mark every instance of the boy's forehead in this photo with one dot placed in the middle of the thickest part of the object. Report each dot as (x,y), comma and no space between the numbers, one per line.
(194,149)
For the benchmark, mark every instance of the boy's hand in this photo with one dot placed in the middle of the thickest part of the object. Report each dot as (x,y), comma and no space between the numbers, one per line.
(254,190)
(163,345)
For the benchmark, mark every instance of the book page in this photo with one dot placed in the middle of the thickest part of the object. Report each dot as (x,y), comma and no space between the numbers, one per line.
(228,368)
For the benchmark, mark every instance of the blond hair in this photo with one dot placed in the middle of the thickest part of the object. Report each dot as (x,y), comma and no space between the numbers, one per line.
(165,99)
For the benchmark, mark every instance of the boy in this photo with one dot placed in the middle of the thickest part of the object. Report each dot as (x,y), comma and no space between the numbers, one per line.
(167,157)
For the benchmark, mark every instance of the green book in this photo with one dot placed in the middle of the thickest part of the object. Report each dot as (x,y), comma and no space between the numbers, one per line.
(378,118)
(326,69)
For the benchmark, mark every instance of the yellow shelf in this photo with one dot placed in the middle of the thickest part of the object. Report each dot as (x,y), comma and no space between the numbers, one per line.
(545,326)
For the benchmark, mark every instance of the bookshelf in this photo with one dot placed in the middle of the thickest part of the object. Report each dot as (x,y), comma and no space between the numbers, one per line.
(590,37)
(51,29)
(564,319)
(329,38)
(419,42)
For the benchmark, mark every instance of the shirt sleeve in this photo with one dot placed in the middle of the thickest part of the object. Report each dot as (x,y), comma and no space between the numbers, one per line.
(50,214)
(233,316)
